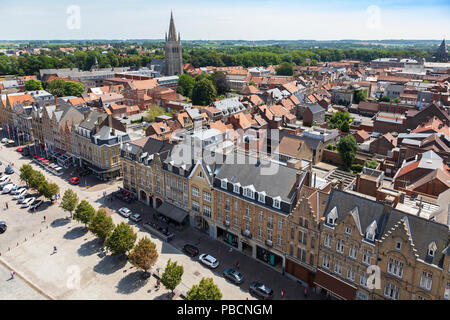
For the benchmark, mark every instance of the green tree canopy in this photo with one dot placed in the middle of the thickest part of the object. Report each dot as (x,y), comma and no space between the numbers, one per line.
(384,99)
(144,254)
(69,200)
(340,120)
(347,148)
(48,189)
(171,277)
(204,92)
(61,88)
(36,180)
(285,69)
(122,239)
(360,95)
(33,85)
(205,290)
(220,81)
(372,164)
(84,212)
(25,173)
(101,225)
(56,87)
(153,112)
(185,85)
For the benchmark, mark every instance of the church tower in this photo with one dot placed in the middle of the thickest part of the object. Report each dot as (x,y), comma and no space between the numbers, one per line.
(442,53)
(173,51)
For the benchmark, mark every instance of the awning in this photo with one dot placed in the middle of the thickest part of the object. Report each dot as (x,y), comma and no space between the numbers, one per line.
(335,286)
(172,212)
(101,171)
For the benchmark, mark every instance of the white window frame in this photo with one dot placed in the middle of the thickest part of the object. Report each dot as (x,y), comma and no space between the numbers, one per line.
(426,280)
(223,183)
(391,291)
(195,191)
(395,267)
(206,196)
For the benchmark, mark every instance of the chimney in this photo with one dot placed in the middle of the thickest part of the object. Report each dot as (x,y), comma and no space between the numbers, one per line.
(56,100)
(110,121)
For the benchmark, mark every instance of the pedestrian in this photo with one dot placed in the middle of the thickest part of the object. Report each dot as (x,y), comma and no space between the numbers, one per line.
(230,250)
(6,205)
(237,264)
(282,294)
(218,252)
(12,274)
(44,218)
(55,249)
(305,292)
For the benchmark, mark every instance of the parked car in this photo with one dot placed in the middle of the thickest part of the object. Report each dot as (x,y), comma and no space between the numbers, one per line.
(209,260)
(20,194)
(24,197)
(36,204)
(233,275)
(20,149)
(26,203)
(9,170)
(4,178)
(125,212)
(4,183)
(191,250)
(4,140)
(3,226)
(74,180)
(7,189)
(261,290)
(136,217)
(18,189)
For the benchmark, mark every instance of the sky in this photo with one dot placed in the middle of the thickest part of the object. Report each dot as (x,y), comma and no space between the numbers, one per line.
(225,20)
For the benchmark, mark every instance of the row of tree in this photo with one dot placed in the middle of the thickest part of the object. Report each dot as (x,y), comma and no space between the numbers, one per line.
(36,180)
(120,240)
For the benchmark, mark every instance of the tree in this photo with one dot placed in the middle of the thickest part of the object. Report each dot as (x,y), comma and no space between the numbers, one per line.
(33,85)
(48,189)
(56,87)
(171,277)
(25,173)
(285,69)
(73,88)
(360,95)
(121,239)
(384,99)
(347,148)
(144,254)
(69,200)
(396,100)
(220,81)
(372,164)
(185,85)
(205,290)
(203,92)
(340,120)
(36,179)
(153,112)
(101,225)
(84,212)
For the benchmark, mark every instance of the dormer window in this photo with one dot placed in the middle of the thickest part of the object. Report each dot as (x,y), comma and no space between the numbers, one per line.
(236,187)
(332,216)
(223,183)
(370,231)
(432,249)
(262,197)
(277,202)
(169,167)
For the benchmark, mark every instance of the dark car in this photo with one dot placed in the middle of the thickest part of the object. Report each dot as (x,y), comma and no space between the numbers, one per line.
(261,290)
(190,250)
(36,204)
(233,275)
(9,170)
(3,226)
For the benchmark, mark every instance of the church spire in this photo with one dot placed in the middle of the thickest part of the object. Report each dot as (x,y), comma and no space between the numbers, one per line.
(172,32)
(442,53)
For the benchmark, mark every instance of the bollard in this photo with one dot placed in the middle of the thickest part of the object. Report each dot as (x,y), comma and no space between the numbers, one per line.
(25,239)
(33,234)
(17,244)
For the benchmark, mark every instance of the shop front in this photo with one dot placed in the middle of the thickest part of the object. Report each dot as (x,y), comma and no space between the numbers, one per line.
(269,257)
(334,286)
(228,237)
(300,272)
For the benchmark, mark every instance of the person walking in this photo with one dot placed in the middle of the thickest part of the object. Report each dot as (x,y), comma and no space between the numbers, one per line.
(282,293)
(55,249)
(44,218)
(237,264)
(12,274)
(6,203)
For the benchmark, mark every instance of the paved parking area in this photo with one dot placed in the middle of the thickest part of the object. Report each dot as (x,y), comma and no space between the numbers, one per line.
(80,271)
(16,289)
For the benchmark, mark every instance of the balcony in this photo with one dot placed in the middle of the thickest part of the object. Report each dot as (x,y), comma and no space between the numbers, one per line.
(246,233)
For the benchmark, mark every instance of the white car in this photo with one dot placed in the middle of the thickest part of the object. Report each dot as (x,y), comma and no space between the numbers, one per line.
(4,140)
(8,187)
(27,202)
(17,190)
(4,179)
(21,193)
(208,260)
(125,212)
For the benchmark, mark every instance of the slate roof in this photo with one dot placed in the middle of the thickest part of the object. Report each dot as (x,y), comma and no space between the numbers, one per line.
(315,108)
(423,232)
